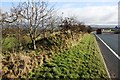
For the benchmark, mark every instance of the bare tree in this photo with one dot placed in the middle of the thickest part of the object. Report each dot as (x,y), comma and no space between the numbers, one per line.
(35,16)
(9,17)
(52,22)
(7,20)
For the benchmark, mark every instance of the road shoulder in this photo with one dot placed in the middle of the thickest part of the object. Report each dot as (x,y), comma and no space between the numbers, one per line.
(101,56)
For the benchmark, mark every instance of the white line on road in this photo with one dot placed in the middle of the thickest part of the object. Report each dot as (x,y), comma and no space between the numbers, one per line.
(109,48)
(103,61)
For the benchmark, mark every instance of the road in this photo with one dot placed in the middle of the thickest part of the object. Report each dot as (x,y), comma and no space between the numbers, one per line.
(109,46)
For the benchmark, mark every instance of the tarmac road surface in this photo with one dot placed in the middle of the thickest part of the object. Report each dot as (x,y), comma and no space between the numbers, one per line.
(109,45)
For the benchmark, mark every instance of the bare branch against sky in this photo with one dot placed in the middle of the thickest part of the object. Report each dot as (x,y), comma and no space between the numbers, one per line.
(88,11)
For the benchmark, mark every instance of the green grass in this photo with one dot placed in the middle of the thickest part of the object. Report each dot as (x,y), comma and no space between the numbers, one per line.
(9,43)
(81,61)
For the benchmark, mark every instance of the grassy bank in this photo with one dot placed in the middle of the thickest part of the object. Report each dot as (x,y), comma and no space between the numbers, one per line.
(80,61)
(16,64)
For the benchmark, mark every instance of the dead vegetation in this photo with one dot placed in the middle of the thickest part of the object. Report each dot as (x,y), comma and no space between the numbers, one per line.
(28,42)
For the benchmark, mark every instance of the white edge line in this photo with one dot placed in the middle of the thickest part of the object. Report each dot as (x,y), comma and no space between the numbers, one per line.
(109,47)
(103,61)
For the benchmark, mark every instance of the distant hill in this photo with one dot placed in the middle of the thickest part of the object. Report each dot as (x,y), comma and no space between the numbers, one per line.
(103,26)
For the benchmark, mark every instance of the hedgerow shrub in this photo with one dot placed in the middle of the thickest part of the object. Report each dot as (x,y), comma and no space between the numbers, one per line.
(81,61)
(9,44)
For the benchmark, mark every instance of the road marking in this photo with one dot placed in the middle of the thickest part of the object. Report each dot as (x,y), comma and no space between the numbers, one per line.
(103,61)
(109,48)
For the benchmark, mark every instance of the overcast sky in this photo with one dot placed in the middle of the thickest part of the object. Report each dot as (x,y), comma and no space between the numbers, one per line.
(87,11)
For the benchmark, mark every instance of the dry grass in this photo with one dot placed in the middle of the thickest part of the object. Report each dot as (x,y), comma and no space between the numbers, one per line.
(16,65)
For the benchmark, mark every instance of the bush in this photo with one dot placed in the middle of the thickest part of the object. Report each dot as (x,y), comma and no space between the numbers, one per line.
(9,44)
(25,40)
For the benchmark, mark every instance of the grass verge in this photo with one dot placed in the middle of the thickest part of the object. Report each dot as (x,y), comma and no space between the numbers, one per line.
(80,61)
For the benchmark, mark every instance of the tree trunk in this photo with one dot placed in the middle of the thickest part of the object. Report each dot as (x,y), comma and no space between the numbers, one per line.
(34,45)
